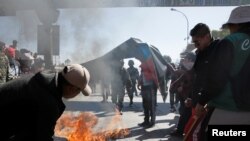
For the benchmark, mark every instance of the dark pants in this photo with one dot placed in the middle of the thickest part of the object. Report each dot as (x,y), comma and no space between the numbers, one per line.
(163,90)
(118,94)
(173,98)
(13,65)
(185,114)
(132,91)
(149,105)
(105,92)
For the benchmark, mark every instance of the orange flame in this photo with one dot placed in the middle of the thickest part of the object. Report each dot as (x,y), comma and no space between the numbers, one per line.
(78,127)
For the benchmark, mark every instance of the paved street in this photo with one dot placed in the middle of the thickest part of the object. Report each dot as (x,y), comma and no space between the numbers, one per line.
(165,121)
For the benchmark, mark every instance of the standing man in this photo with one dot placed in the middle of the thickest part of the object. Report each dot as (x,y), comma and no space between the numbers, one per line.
(170,77)
(168,74)
(32,104)
(13,55)
(173,96)
(119,82)
(206,48)
(183,86)
(148,84)
(105,88)
(134,75)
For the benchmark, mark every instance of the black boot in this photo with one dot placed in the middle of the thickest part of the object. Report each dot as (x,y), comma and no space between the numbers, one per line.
(131,103)
(144,124)
(151,124)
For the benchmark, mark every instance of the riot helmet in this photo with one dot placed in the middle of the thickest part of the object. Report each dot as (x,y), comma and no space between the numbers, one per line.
(131,63)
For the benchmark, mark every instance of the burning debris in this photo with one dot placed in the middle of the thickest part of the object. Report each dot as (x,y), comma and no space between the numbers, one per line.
(77,126)
(114,134)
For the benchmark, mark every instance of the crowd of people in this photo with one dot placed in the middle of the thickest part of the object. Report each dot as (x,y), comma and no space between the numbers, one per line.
(16,62)
(204,83)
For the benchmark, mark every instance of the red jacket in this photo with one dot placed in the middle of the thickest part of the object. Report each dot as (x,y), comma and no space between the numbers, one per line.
(149,72)
(10,52)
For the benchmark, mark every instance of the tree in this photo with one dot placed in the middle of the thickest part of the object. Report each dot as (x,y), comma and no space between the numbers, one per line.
(219,34)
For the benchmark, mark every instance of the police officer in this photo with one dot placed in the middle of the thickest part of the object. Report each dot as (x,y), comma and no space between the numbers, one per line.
(119,81)
(134,75)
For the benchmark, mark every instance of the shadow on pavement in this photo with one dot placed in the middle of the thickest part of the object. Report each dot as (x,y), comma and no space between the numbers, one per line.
(147,134)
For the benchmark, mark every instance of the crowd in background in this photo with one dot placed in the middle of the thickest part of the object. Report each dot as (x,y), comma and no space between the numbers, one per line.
(16,62)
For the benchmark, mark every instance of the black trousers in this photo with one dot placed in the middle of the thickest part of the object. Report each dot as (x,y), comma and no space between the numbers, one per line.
(149,103)
(132,91)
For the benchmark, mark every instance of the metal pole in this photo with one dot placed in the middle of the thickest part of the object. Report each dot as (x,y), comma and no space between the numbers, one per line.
(172,9)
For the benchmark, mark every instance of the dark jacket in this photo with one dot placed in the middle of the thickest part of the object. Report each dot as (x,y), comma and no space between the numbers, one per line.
(186,82)
(30,107)
(175,80)
(201,69)
(133,73)
(212,69)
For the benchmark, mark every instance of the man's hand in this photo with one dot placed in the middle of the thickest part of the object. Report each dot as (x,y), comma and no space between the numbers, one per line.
(199,110)
(188,102)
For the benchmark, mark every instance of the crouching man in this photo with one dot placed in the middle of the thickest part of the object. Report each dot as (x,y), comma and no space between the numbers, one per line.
(31,105)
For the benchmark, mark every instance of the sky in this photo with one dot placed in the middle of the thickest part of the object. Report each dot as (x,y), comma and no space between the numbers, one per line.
(86,34)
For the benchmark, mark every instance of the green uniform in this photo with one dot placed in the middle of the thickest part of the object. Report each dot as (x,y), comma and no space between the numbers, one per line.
(4,66)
